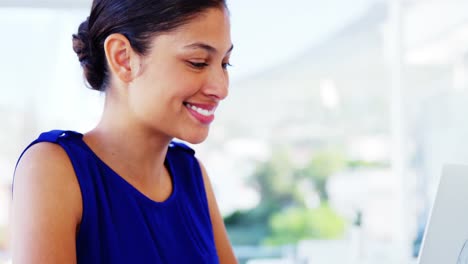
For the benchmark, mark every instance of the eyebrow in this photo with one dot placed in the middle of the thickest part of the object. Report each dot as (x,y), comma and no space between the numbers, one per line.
(208,48)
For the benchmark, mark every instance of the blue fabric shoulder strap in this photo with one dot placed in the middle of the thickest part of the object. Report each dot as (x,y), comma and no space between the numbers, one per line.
(51,136)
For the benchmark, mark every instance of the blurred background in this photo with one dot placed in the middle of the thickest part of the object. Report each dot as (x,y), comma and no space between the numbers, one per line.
(330,146)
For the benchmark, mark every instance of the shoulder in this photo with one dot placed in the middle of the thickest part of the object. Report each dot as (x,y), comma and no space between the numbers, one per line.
(44,157)
(222,243)
(45,173)
(46,207)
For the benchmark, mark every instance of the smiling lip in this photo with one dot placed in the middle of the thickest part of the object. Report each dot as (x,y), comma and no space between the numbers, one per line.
(204,113)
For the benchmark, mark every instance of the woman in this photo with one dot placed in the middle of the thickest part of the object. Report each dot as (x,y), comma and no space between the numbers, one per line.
(124,192)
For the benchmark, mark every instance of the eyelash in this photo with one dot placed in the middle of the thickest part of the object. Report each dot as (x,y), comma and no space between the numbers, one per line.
(226,65)
(201,65)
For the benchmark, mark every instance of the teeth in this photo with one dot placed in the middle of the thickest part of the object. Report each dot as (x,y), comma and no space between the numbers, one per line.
(201,111)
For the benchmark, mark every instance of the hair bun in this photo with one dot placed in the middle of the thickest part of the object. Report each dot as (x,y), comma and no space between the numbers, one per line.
(92,68)
(81,42)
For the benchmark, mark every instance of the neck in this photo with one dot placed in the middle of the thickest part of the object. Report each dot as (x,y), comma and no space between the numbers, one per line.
(134,152)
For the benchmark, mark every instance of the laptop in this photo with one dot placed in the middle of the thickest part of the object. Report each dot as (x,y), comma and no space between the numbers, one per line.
(446,235)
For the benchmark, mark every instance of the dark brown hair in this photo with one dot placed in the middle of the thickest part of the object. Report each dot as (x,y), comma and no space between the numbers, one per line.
(138,20)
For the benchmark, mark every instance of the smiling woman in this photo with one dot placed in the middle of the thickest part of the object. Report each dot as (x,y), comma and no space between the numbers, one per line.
(124,192)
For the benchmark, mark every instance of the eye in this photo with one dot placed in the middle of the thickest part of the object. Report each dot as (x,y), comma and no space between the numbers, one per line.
(198,65)
(225,65)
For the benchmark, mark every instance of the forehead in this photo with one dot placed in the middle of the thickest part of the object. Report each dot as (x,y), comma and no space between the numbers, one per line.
(212,19)
(211,27)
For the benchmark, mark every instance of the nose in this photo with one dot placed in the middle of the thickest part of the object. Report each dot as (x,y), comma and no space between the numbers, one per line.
(217,84)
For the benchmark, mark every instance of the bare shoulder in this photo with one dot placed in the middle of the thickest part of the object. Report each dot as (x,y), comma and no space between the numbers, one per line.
(46,208)
(206,179)
(223,245)
(42,152)
(45,165)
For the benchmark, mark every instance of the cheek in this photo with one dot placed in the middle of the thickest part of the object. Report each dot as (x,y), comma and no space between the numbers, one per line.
(183,87)
(145,105)
(165,87)
(173,85)
(146,98)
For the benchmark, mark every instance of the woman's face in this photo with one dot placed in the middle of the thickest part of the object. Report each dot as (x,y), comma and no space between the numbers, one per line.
(184,78)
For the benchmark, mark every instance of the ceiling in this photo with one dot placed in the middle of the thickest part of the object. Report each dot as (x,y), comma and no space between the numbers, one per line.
(46,3)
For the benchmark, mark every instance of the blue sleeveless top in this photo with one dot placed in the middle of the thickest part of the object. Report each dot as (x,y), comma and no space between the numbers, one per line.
(122,225)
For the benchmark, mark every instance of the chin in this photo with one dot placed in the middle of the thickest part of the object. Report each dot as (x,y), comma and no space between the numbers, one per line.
(195,137)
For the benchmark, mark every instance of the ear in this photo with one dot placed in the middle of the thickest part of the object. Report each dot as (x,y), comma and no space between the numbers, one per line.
(122,60)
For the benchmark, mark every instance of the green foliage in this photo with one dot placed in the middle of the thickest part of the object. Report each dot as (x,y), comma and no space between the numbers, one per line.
(252,234)
(275,180)
(281,216)
(320,167)
(354,164)
(249,227)
(295,224)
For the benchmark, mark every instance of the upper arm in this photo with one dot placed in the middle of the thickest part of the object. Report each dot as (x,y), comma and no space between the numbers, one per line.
(46,207)
(223,246)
